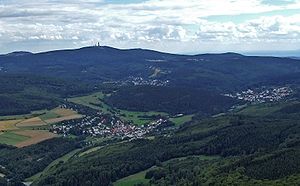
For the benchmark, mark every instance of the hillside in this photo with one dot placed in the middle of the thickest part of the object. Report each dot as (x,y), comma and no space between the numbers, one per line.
(94,65)
(250,150)
(173,100)
(149,118)
(46,78)
(23,93)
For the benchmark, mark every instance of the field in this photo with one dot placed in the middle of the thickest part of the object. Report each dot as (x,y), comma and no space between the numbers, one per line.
(139,177)
(92,101)
(64,118)
(32,122)
(35,136)
(133,179)
(138,118)
(11,138)
(180,120)
(8,125)
(24,130)
(90,151)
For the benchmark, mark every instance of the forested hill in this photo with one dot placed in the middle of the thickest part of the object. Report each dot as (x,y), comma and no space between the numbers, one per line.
(105,64)
(251,147)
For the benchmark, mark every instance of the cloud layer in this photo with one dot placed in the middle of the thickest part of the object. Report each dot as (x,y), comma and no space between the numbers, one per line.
(169,25)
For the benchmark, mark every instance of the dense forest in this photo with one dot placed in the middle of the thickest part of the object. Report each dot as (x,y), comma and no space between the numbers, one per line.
(252,147)
(21,94)
(21,163)
(173,100)
(95,65)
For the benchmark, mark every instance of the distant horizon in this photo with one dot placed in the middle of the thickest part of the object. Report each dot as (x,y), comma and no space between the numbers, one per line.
(174,26)
(288,53)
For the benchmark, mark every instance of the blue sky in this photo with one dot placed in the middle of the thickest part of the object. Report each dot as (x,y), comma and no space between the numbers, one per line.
(177,26)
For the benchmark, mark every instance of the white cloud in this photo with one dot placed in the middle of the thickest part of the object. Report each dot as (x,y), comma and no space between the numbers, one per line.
(154,23)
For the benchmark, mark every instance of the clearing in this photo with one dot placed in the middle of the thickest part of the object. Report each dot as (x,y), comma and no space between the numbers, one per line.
(181,120)
(139,177)
(134,179)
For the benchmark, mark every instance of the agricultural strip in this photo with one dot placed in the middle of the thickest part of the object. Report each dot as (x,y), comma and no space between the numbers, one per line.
(36,121)
(11,138)
(34,136)
(56,120)
(8,125)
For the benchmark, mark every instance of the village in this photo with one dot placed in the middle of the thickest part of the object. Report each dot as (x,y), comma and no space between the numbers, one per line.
(99,124)
(142,81)
(137,81)
(262,95)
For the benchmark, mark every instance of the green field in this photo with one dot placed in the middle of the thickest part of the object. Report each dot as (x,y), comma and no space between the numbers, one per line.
(49,115)
(138,118)
(11,138)
(90,151)
(140,176)
(133,179)
(94,101)
(63,159)
(181,120)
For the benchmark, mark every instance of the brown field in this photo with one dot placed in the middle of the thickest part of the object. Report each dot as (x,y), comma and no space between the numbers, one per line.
(32,122)
(56,120)
(64,112)
(36,136)
(8,125)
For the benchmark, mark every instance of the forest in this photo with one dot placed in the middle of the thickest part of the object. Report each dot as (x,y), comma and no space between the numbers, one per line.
(173,100)
(21,94)
(240,147)
(252,147)
(20,163)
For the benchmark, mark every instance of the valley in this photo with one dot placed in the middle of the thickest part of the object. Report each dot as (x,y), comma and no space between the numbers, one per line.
(141,117)
(149,93)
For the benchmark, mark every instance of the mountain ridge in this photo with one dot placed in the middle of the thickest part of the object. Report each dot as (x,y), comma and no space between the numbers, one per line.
(94,65)
(119,49)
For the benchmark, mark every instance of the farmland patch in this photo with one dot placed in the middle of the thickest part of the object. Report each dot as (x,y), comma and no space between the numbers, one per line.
(34,136)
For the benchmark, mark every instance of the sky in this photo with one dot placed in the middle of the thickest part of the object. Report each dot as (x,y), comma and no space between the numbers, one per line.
(176,26)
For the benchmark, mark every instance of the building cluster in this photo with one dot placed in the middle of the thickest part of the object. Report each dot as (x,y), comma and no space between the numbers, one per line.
(262,95)
(136,81)
(143,81)
(105,125)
